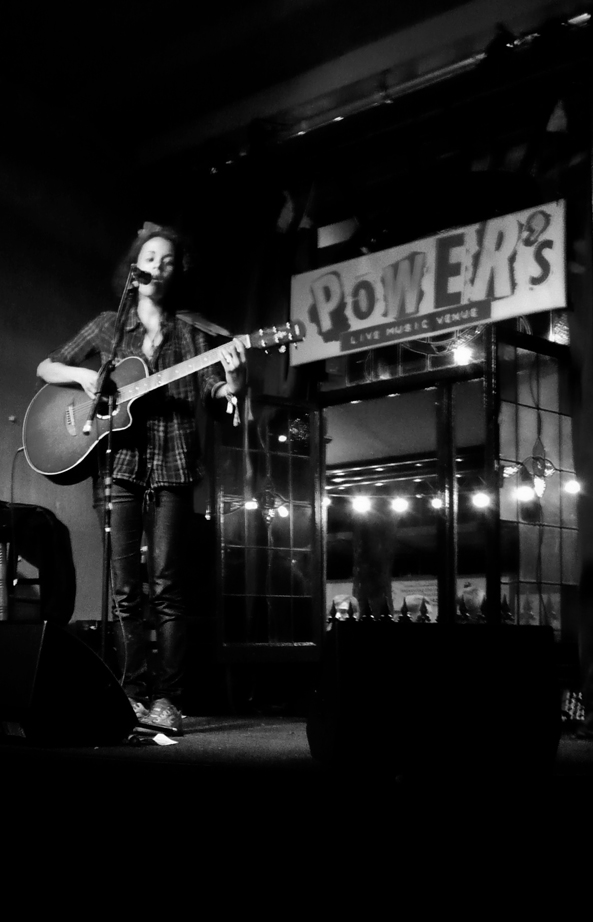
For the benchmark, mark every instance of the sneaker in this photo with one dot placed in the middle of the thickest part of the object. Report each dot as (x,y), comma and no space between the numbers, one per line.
(140,711)
(164,716)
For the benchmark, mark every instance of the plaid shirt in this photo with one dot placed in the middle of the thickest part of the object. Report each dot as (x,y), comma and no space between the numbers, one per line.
(161,447)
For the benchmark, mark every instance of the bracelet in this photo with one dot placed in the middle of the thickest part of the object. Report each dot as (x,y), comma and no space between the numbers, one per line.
(232,402)
(233,407)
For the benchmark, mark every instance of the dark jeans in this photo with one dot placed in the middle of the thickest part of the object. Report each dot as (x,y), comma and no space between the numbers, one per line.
(164,518)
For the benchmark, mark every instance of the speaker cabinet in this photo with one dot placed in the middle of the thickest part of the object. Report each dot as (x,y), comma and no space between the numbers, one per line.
(55,689)
(462,702)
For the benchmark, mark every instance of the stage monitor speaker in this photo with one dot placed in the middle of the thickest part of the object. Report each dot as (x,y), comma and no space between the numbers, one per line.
(55,689)
(463,702)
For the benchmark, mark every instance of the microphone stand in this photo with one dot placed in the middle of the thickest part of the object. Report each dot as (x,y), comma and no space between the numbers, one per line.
(105,390)
(107,506)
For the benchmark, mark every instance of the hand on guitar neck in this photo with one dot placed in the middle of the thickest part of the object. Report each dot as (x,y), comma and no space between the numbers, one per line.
(233,359)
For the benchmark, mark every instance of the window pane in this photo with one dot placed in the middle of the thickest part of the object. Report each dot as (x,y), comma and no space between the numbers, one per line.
(234,569)
(302,521)
(566,458)
(550,436)
(528,607)
(506,370)
(233,525)
(301,573)
(526,378)
(551,500)
(540,553)
(508,434)
(569,502)
(527,431)
(280,572)
(301,472)
(548,383)
(570,557)
(551,606)
(551,559)
(508,498)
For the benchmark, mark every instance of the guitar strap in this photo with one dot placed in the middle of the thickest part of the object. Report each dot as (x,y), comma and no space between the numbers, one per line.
(207,326)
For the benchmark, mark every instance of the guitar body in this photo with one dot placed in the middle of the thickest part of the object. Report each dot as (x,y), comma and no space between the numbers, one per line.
(53,438)
(53,431)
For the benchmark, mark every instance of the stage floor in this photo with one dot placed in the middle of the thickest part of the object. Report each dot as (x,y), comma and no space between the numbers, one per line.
(234,785)
(236,744)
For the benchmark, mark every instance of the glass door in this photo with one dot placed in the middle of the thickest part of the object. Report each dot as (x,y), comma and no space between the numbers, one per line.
(268,521)
(406,497)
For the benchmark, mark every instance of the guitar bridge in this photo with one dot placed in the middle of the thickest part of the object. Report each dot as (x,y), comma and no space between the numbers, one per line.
(70,420)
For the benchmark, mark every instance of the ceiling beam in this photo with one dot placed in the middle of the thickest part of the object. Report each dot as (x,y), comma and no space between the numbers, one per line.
(421,49)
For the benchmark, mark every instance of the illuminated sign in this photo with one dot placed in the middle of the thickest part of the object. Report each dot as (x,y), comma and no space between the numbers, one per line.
(508,266)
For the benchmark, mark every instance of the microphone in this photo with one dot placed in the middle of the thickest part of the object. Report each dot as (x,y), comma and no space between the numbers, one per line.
(140,276)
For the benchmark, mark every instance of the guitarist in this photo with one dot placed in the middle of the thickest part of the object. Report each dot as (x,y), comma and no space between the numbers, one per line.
(156,461)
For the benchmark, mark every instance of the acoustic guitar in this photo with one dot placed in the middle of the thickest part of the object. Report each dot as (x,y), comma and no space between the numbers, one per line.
(54,438)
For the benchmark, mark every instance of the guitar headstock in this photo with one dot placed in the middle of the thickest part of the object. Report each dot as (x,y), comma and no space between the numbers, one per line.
(278,337)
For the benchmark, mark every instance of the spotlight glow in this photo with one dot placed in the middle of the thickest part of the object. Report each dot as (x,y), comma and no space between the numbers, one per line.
(525,493)
(361,503)
(572,486)
(251,504)
(283,512)
(436,502)
(481,500)
(283,438)
(399,504)
(462,354)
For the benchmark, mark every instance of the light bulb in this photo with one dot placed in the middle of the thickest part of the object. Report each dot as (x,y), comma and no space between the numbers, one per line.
(525,493)
(572,486)
(462,354)
(399,504)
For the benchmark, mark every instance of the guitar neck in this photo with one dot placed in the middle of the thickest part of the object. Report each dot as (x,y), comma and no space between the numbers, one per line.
(161,378)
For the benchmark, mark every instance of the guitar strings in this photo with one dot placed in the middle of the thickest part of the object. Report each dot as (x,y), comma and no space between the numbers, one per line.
(86,404)
(210,353)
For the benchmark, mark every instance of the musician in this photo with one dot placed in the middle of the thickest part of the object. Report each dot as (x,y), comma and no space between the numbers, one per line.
(155,465)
